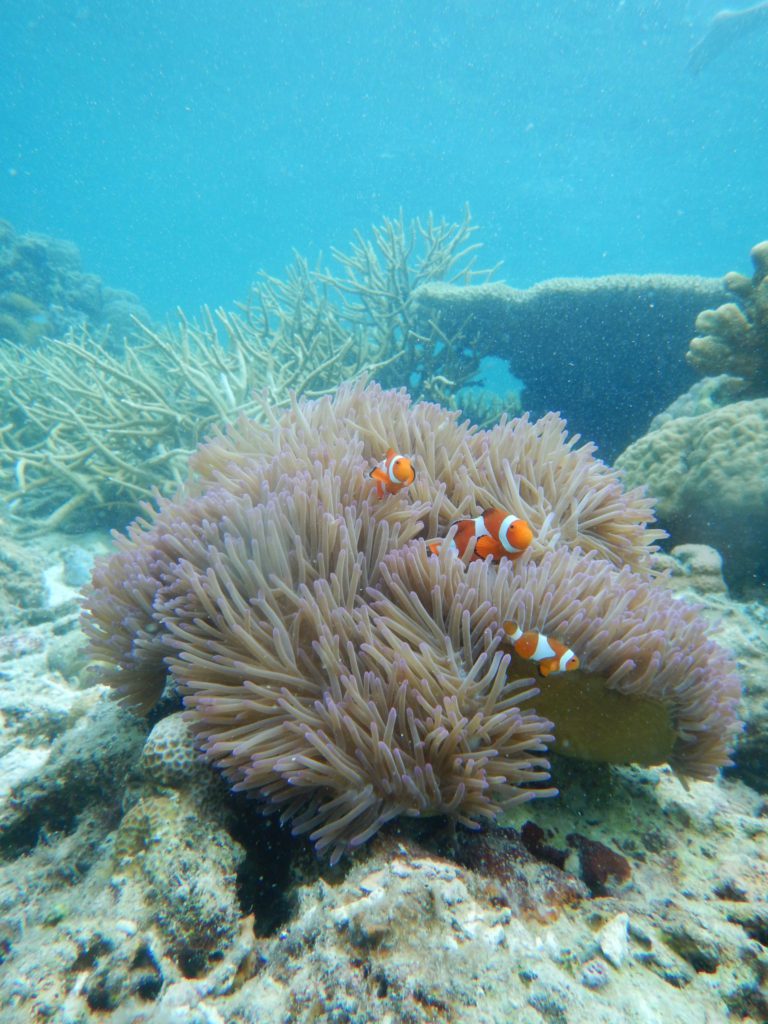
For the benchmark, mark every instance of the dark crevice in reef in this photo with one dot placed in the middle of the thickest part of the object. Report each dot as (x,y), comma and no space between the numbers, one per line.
(750,760)
(265,876)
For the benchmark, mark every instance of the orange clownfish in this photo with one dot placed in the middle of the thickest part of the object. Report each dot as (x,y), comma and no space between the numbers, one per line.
(393,473)
(499,534)
(550,655)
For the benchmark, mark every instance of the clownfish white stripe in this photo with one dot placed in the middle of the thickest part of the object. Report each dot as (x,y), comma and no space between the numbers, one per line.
(391,469)
(481,530)
(549,654)
(543,649)
(506,523)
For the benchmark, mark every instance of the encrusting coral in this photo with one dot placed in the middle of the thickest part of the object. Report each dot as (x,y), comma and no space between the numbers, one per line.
(335,669)
(733,338)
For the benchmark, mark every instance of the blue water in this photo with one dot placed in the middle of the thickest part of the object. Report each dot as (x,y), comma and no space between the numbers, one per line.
(186,145)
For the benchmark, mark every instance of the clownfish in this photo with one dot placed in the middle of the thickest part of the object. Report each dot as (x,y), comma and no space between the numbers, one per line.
(499,534)
(550,655)
(393,473)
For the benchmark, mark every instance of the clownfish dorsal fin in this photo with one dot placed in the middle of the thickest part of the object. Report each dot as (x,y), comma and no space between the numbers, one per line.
(391,453)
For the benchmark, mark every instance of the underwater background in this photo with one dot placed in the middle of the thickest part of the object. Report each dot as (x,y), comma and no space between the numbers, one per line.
(184,147)
(383,504)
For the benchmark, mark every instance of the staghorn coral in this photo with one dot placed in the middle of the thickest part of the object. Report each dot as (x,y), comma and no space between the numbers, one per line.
(335,669)
(116,426)
(733,339)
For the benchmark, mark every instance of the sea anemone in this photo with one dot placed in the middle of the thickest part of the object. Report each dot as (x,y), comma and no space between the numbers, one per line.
(335,669)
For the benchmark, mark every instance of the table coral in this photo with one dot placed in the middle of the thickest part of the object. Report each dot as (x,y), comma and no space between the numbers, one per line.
(733,338)
(334,668)
(575,342)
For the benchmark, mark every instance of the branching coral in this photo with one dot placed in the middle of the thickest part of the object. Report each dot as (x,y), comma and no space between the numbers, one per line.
(733,338)
(114,428)
(336,670)
(84,428)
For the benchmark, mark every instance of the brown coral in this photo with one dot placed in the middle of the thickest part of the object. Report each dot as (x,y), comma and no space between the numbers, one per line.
(733,338)
(334,668)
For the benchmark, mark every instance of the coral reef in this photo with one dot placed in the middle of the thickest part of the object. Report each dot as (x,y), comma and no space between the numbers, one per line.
(733,339)
(334,668)
(702,397)
(707,476)
(703,457)
(118,425)
(135,889)
(191,900)
(44,293)
(582,345)
(410,932)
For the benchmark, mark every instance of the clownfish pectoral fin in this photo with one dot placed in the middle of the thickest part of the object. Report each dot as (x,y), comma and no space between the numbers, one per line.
(547,666)
(380,478)
(434,547)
